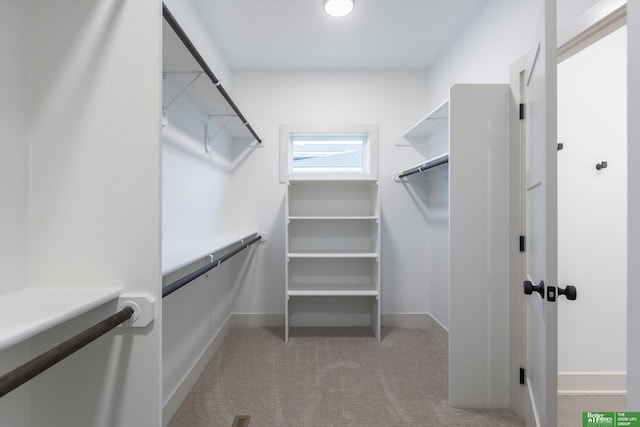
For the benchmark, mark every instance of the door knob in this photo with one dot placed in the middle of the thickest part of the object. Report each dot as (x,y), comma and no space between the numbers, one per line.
(530,288)
(570,292)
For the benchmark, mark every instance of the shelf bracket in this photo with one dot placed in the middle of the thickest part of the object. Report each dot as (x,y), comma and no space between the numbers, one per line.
(230,117)
(193,80)
(208,139)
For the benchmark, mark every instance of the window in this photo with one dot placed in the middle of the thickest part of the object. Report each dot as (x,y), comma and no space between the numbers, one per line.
(329,152)
(345,152)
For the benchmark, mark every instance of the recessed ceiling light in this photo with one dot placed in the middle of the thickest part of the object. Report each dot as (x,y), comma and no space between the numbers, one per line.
(338,8)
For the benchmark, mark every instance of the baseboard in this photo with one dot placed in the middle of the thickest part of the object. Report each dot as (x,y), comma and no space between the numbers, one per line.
(258,320)
(422,321)
(329,320)
(592,383)
(179,394)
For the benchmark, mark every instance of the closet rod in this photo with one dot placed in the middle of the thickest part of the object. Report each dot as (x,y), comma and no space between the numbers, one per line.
(171,20)
(174,286)
(34,367)
(425,166)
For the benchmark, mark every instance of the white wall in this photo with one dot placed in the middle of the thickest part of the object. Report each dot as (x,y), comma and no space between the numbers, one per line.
(197,205)
(14,150)
(196,185)
(14,185)
(592,216)
(394,101)
(500,34)
(633,153)
(497,37)
(93,179)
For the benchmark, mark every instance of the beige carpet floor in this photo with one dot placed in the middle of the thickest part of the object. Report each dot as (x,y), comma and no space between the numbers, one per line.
(340,378)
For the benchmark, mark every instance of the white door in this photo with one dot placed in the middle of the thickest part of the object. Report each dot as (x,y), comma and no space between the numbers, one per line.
(540,217)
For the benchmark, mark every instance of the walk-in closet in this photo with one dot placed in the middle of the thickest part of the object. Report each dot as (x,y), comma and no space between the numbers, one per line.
(317,213)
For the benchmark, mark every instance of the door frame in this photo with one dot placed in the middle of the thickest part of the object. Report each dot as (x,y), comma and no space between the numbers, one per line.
(633,204)
(598,21)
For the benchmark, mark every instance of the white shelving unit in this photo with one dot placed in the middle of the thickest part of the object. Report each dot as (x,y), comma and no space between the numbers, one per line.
(333,254)
(437,119)
(472,130)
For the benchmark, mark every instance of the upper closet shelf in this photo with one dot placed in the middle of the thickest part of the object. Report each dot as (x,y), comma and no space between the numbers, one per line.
(183,255)
(186,73)
(28,312)
(437,119)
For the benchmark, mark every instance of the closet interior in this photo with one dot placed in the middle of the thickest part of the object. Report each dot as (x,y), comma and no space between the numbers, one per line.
(139,179)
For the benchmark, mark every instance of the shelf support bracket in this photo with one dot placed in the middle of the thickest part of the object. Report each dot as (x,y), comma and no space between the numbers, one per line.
(208,139)
(193,80)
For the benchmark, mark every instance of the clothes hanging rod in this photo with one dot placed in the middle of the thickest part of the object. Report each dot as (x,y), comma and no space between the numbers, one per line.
(34,367)
(174,286)
(429,164)
(173,23)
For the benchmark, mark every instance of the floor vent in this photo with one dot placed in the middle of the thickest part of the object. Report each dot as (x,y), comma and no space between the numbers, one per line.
(241,421)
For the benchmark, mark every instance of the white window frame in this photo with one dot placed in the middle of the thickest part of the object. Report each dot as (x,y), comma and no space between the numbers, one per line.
(286,173)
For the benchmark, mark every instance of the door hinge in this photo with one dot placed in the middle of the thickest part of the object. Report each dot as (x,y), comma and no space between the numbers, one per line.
(521,111)
(522,376)
(522,243)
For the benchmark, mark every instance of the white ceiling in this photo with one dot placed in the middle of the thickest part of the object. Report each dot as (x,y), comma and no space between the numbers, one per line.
(296,34)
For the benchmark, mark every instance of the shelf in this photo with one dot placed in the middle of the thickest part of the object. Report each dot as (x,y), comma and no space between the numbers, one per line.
(28,312)
(180,256)
(354,180)
(185,76)
(332,255)
(333,293)
(299,218)
(437,119)
(333,199)
(333,275)
(341,236)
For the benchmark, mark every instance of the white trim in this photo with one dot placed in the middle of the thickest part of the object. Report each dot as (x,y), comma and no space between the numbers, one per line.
(597,22)
(534,408)
(423,321)
(180,392)
(592,383)
(258,320)
(517,228)
(286,129)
